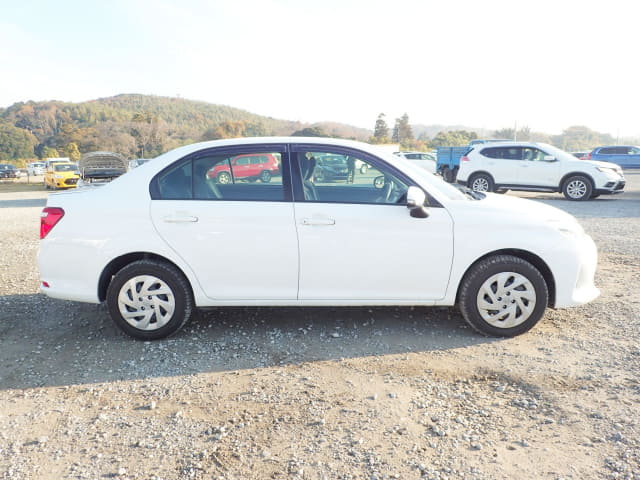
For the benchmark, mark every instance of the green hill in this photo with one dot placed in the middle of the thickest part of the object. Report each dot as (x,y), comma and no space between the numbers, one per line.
(136,126)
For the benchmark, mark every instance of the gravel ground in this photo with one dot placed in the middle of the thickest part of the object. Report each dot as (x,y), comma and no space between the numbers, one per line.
(322,393)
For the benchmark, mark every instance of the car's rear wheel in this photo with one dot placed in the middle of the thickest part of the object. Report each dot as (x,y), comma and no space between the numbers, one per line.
(224,178)
(503,296)
(265,176)
(577,188)
(149,300)
(481,182)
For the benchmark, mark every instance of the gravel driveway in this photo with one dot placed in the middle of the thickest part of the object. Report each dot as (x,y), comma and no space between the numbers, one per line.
(315,393)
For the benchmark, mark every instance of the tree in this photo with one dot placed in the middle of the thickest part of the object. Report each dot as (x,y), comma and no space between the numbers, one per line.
(310,132)
(380,131)
(581,138)
(15,143)
(455,138)
(72,152)
(146,129)
(402,132)
(48,152)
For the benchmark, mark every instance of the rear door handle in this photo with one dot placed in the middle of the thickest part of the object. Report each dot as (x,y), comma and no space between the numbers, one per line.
(180,219)
(318,221)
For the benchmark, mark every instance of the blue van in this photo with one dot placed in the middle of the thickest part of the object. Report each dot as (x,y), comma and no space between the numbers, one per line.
(627,156)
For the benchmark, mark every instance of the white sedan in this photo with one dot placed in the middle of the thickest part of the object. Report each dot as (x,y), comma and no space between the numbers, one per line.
(160,241)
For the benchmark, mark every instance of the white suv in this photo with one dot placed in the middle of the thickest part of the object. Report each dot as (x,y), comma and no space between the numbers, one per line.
(537,167)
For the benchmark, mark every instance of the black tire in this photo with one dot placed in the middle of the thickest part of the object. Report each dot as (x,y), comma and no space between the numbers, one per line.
(224,178)
(447,174)
(265,176)
(165,286)
(363,168)
(517,308)
(577,188)
(595,195)
(481,182)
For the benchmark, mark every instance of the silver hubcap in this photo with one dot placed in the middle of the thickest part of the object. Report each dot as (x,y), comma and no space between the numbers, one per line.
(506,300)
(146,302)
(480,185)
(576,189)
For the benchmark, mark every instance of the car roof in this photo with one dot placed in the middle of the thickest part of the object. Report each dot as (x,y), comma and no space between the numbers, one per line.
(613,146)
(509,143)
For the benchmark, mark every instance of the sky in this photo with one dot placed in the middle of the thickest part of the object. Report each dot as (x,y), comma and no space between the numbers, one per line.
(486,64)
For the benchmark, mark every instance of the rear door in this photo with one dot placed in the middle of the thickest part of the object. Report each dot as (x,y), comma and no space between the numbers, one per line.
(239,237)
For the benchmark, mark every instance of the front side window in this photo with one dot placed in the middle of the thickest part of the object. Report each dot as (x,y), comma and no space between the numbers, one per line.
(345,178)
(532,154)
(240,177)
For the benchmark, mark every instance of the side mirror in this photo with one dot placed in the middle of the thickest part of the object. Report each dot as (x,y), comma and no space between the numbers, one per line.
(415,203)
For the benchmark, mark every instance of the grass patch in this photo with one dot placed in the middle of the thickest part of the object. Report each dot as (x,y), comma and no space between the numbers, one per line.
(9,186)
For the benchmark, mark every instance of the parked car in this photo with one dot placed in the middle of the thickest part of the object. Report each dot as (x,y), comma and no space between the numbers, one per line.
(35,168)
(61,175)
(8,170)
(248,167)
(421,159)
(331,168)
(163,240)
(627,156)
(537,167)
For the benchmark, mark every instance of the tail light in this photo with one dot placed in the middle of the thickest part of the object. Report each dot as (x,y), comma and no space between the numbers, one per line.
(49,217)
(464,158)
(588,157)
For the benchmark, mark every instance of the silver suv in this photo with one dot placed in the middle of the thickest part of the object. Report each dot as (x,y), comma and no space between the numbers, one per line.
(532,166)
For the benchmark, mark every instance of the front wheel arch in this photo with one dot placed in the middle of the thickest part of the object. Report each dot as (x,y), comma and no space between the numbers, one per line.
(503,296)
(532,258)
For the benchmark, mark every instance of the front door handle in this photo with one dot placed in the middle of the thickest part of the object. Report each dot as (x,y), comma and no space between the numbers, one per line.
(318,221)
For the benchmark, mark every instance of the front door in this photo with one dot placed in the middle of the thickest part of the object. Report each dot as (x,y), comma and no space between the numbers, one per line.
(358,241)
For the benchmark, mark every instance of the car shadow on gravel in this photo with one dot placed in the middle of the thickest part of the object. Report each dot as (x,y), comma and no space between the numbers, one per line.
(48,342)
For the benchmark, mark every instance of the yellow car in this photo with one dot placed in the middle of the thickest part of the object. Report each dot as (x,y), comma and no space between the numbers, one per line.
(61,175)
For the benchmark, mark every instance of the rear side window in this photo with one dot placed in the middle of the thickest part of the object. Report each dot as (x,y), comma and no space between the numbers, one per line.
(614,151)
(506,153)
(223,177)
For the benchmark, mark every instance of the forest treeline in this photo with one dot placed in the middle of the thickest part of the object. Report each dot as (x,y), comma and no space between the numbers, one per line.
(144,126)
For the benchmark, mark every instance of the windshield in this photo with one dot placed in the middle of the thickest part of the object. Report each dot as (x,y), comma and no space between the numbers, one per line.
(556,152)
(61,167)
(434,181)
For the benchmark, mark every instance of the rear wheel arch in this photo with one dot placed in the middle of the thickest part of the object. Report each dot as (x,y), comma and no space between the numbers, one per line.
(484,174)
(119,263)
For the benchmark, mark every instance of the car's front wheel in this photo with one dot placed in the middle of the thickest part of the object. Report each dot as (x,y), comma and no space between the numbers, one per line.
(149,299)
(577,188)
(224,178)
(503,296)
(481,182)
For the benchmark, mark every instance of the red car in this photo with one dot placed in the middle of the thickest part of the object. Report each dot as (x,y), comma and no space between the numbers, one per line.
(250,167)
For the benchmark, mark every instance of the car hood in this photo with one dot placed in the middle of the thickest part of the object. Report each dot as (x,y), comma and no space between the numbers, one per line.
(505,208)
(598,163)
